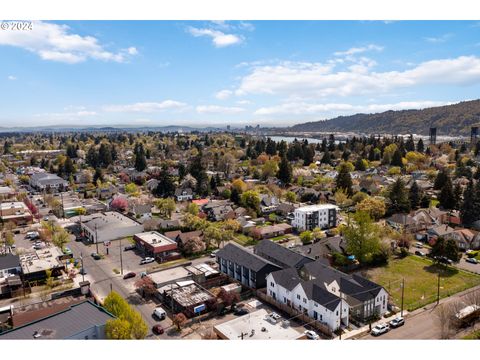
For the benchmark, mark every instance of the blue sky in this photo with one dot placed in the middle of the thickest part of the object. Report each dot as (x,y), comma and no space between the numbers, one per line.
(278,73)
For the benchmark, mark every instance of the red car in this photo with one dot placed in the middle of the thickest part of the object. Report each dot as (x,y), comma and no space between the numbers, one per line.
(157,329)
(129,275)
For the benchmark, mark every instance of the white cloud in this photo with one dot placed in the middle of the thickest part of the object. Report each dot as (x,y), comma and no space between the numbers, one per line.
(303,108)
(219,38)
(11,77)
(57,43)
(68,115)
(214,109)
(300,79)
(147,107)
(244,102)
(358,50)
(439,39)
(223,94)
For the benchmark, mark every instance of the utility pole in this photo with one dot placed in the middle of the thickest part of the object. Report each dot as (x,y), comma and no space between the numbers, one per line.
(438,289)
(403,292)
(340,328)
(121,259)
(63,206)
(83,269)
(96,237)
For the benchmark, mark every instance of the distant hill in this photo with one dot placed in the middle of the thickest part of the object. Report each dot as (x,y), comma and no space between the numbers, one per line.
(449,120)
(91,128)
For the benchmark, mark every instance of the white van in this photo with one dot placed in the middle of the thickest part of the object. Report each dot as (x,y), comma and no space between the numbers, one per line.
(159,313)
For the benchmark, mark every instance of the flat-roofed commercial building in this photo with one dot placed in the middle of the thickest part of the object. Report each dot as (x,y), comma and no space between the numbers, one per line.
(155,244)
(109,226)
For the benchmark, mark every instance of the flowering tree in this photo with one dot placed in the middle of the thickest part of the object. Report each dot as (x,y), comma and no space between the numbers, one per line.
(119,203)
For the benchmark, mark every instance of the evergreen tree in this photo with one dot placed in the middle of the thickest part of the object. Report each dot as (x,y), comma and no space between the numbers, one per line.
(165,187)
(414,195)
(420,146)
(326,158)
(446,196)
(470,207)
(140,159)
(440,180)
(308,155)
(344,180)
(68,168)
(98,175)
(409,144)
(398,196)
(397,159)
(285,171)
(457,196)
(360,164)
(235,196)
(92,157)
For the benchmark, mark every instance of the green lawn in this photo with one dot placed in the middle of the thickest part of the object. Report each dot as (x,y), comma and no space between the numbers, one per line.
(421,279)
(278,238)
(244,240)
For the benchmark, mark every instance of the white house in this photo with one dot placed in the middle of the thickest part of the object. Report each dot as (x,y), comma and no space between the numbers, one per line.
(312,216)
(308,297)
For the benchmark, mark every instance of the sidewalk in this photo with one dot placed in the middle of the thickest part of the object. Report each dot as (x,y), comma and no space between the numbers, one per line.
(365,329)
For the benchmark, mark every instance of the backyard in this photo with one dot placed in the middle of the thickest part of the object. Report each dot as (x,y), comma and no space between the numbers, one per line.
(421,280)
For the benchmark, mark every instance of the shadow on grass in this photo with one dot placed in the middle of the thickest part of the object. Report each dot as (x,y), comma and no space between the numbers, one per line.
(443,270)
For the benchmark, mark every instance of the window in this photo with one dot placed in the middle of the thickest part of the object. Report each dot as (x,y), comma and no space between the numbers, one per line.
(284,299)
(272,284)
(315,304)
(298,297)
(337,312)
(304,300)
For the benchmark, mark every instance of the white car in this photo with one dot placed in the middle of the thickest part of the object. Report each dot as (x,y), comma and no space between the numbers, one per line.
(147,260)
(159,313)
(31,235)
(312,335)
(380,329)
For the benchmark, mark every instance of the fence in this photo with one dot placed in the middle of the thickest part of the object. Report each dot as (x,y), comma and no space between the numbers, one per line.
(323,328)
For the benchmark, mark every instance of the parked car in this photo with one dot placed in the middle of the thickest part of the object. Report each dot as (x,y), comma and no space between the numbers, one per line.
(471,260)
(213,254)
(380,329)
(240,311)
(158,329)
(160,313)
(419,245)
(129,275)
(32,235)
(96,256)
(147,260)
(129,247)
(312,335)
(397,322)
(444,260)
(419,253)
(67,251)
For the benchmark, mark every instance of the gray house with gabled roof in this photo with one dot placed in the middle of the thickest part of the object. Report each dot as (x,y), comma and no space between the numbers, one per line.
(249,269)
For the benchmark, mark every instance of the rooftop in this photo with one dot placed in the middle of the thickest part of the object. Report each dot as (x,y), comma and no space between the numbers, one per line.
(107,220)
(317,207)
(155,239)
(63,324)
(40,260)
(255,326)
(190,294)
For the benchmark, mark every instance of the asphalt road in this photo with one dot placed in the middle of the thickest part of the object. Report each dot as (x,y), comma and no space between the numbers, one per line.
(422,324)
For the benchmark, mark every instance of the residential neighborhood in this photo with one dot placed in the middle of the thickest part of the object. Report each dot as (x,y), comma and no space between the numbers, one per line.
(326,240)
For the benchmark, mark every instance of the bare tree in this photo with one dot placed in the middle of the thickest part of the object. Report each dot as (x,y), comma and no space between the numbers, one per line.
(444,315)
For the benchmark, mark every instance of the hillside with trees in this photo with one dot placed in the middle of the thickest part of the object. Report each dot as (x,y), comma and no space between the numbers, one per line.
(449,120)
